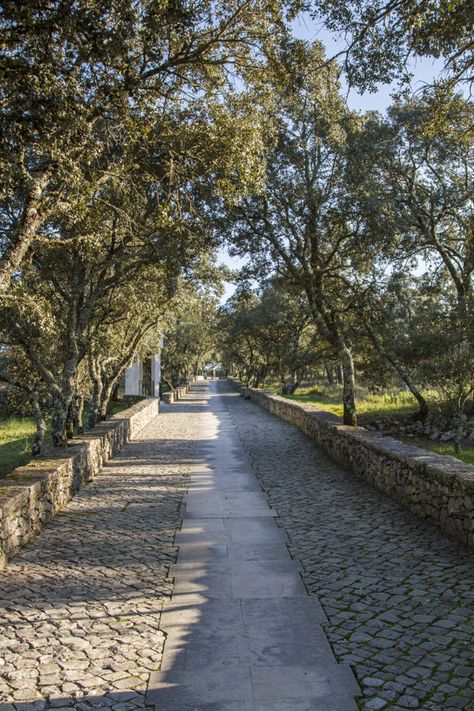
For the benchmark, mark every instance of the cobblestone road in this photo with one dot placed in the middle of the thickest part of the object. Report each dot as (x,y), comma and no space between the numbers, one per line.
(81,605)
(399,596)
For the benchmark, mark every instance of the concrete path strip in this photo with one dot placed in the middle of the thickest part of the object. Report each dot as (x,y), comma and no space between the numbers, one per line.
(241,632)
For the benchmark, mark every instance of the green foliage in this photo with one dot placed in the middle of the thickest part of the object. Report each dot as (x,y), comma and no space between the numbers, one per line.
(138,135)
(382,35)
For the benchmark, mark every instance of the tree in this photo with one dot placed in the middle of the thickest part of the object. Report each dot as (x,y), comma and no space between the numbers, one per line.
(384,34)
(304,226)
(81,79)
(422,180)
(268,334)
(190,334)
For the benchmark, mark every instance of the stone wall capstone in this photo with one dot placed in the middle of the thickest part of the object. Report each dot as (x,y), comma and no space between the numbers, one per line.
(175,394)
(31,495)
(439,488)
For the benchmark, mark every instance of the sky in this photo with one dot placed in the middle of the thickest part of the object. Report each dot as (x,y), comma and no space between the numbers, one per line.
(423,70)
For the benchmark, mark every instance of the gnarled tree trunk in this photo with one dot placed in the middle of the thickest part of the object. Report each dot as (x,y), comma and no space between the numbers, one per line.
(94,405)
(348,386)
(24,232)
(40,424)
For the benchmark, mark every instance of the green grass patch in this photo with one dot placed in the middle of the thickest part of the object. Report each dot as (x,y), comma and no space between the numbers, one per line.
(16,437)
(466,456)
(370,405)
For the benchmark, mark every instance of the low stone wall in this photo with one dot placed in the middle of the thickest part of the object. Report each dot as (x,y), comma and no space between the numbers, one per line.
(31,495)
(437,487)
(176,394)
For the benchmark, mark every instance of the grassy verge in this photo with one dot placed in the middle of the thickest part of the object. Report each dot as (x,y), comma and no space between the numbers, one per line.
(466,456)
(370,405)
(16,436)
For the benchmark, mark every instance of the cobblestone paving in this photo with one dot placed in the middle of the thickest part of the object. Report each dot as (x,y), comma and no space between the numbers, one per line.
(399,596)
(81,605)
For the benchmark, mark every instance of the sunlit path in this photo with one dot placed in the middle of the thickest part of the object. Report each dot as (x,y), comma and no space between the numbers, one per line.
(242,634)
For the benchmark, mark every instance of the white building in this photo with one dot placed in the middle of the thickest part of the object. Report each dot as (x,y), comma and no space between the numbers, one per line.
(143,377)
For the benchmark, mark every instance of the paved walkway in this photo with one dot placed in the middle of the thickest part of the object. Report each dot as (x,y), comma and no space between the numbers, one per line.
(81,605)
(242,634)
(82,624)
(399,595)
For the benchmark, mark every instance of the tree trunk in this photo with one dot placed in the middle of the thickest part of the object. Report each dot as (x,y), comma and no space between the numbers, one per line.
(348,385)
(108,388)
(79,414)
(40,425)
(25,233)
(96,395)
(290,386)
(329,373)
(61,419)
(459,436)
(401,372)
(422,404)
(70,418)
(115,389)
(339,374)
(58,421)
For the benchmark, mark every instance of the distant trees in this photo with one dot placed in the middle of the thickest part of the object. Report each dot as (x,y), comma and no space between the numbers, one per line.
(190,333)
(268,334)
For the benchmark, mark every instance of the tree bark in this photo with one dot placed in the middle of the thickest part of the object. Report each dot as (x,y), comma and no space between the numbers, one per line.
(94,405)
(58,421)
(24,233)
(78,414)
(290,385)
(348,386)
(329,373)
(109,388)
(61,419)
(40,424)
(458,437)
(70,418)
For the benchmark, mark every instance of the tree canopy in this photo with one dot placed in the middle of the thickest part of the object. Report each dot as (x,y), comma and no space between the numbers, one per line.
(138,137)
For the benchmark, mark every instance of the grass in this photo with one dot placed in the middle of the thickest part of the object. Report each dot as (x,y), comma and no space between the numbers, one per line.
(466,456)
(370,405)
(16,436)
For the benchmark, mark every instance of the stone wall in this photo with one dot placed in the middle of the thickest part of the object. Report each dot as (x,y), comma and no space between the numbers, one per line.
(176,394)
(437,487)
(31,495)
